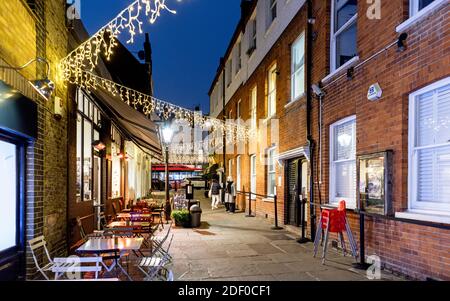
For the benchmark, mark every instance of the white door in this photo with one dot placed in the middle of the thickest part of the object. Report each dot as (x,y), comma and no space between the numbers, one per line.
(253,175)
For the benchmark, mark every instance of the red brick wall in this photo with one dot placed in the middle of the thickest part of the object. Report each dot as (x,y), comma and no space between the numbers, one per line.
(419,251)
(416,250)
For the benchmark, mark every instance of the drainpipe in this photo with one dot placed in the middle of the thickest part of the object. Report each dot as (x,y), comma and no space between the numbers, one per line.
(311,142)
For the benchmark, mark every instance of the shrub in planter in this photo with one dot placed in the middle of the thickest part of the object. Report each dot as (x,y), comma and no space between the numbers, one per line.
(181,217)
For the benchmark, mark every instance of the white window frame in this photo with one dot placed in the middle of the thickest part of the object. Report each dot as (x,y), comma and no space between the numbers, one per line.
(253,175)
(271,172)
(351,202)
(413,204)
(414,7)
(230,168)
(238,109)
(254,106)
(293,71)
(271,93)
(334,35)
(238,58)
(229,73)
(270,7)
(416,15)
(253,36)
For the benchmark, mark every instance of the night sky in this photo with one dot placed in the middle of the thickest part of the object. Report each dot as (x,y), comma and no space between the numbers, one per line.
(186,46)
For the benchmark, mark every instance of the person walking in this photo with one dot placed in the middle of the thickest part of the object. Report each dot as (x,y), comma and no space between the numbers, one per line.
(215,194)
(230,196)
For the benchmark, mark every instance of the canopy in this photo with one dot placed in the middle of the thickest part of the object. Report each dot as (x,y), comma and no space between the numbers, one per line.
(139,128)
(175,168)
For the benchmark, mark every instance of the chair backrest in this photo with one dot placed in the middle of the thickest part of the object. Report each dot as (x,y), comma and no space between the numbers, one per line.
(74,265)
(170,244)
(35,245)
(121,232)
(81,228)
(103,221)
(114,208)
(156,271)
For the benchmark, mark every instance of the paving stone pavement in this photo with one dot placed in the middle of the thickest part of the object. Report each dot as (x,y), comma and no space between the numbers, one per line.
(235,248)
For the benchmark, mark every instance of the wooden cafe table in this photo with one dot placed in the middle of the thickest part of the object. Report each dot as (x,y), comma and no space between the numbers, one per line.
(117,245)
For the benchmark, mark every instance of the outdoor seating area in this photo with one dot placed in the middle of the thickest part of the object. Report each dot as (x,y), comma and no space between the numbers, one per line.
(134,239)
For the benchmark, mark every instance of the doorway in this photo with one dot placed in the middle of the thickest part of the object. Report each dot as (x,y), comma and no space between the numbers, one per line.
(97,191)
(297,189)
(11,210)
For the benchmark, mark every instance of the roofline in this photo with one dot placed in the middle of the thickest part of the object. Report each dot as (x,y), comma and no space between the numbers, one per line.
(239,28)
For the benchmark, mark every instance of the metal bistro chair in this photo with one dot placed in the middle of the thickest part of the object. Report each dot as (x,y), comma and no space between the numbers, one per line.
(154,268)
(72,266)
(37,244)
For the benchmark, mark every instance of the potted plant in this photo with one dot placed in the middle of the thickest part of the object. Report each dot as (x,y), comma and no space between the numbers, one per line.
(181,218)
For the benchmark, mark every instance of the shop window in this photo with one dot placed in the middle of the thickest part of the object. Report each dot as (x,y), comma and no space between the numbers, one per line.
(343,162)
(88,124)
(9,201)
(238,173)
(429,147)
(253,175)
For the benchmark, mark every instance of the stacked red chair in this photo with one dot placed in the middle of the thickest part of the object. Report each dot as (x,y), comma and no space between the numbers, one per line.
(334,220)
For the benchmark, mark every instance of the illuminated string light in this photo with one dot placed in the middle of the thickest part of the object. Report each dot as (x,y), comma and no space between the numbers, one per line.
(86,55)
(149,105)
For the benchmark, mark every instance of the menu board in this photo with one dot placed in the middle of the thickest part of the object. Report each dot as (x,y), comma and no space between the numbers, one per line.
(375,183)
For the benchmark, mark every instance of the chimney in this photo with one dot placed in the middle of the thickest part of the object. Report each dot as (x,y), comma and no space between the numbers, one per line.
(246,5)
(148,60)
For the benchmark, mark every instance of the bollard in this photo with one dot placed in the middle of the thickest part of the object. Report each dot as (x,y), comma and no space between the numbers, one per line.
(276,227)
(249,205)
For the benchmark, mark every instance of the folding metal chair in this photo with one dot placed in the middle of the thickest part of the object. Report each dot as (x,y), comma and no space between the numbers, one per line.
(72,266)
(37,244)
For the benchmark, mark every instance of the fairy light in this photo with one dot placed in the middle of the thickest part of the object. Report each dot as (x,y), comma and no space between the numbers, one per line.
(149,105)
(86,55)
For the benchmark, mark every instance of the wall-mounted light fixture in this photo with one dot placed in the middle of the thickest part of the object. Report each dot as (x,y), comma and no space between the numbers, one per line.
(98,145)
(45,87)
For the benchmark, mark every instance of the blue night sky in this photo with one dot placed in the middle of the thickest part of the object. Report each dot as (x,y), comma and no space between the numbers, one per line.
(186,46)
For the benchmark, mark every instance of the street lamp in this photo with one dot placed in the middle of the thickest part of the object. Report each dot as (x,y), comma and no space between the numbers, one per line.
(167,134)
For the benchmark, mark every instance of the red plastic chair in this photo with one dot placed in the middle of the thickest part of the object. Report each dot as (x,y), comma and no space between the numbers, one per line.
(334,221)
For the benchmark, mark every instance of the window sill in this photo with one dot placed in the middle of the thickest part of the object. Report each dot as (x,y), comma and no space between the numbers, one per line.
(268,200)
(292,102)
(347,65)
(419,16)
(424,216)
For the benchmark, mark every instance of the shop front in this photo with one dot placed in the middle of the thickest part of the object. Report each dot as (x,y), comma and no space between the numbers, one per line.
(18,129)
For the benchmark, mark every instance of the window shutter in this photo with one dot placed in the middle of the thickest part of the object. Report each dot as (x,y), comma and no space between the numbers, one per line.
(425,135)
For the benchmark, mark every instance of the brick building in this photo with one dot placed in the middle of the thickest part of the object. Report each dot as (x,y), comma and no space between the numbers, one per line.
(52,168)
(332,140)
(34,149)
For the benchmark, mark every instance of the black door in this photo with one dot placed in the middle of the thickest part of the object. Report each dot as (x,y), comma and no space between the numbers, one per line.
(11,209)
(293,181)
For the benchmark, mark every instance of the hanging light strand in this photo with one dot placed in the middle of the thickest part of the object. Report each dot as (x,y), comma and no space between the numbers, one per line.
(149,105)
(86,55)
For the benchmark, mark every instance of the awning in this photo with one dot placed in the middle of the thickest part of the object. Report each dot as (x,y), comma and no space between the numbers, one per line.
(18,114)
(139,128)
(294,153)
(175,168)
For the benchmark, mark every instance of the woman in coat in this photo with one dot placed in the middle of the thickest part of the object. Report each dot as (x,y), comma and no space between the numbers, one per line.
(230,196)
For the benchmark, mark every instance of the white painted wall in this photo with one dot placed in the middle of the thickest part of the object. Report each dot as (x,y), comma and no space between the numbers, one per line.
(266,38)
